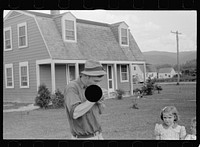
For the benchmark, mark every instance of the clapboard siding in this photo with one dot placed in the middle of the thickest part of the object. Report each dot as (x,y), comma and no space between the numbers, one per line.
(36,50)
(35,42)
(45,75)
(13,14)
(60,76)
(125,85)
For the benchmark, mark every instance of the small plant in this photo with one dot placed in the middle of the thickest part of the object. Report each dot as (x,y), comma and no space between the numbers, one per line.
(158,87)
(43,97)
(120,93)
(57,99)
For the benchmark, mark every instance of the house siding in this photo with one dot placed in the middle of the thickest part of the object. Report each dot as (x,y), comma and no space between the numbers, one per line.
(13,14)
(60,77)
(36,50)
(125,85)
(45,75)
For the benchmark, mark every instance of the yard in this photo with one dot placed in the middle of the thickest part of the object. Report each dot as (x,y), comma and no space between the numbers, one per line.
(119,120)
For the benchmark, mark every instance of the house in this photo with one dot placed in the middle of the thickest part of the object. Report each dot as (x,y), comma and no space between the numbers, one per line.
(139,70)
(164,73)
(52,49)
(151,71)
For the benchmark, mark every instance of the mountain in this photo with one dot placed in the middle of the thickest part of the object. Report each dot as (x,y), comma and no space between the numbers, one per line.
(159,57)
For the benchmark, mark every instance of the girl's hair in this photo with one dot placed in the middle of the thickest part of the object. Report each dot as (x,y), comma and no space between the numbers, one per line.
(172,110)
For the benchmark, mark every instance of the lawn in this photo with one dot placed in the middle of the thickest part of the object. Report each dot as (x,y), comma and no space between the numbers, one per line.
(119,120)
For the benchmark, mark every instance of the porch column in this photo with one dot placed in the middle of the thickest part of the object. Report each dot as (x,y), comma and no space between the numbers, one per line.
(53,82)
(144,71)
(76,70)
(67,77)
(131,78)
(38,75)
(115,72)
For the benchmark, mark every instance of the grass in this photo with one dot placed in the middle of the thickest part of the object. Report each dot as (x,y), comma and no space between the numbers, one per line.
(119,120)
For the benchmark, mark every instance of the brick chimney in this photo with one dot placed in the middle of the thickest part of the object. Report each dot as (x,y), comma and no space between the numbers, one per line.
(55,12)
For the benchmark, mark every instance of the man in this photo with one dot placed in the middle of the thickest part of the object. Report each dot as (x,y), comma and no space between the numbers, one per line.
(83,114)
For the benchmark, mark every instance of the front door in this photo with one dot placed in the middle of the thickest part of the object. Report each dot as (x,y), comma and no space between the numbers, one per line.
(110,78)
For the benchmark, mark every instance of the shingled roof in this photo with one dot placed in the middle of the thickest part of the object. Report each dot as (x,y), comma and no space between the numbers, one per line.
(165,70)
(94,40)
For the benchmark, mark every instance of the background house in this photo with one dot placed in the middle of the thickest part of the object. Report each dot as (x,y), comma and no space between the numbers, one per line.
(52,49)
(164,73)
(151,71)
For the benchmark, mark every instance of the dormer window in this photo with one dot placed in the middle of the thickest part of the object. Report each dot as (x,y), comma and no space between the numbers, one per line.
(69,33)
(69,30)
(124,36)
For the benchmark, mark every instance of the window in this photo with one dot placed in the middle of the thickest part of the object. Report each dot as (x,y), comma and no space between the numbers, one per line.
(22,35)
(69,30)
(124,36)
(7,39)
(23,75)
(9,76)
(124,73)
(134,68)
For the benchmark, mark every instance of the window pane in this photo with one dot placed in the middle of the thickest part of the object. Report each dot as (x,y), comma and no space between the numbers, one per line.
(24,84)
(9,72)
(123,68)
(8,45)
(124,32)
(110,84)
(69,25)
(124,76)
(70,35)
(124,40)
(22,41)
(7,34)
(22,31)
(23,71)
(109,72)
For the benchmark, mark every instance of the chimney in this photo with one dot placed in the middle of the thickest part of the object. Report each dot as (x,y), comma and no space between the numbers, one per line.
(55,12)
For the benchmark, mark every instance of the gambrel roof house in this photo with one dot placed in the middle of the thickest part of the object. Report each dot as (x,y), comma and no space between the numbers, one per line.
(52,49)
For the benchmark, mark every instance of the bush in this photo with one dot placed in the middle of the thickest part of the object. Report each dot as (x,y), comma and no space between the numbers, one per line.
(119,92)
(43,97)
(148,88)
(57,99)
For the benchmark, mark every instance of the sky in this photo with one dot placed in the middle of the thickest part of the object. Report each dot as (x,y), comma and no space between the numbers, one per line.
(150,29)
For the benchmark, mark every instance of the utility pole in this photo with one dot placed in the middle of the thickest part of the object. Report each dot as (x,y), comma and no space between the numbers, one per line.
(177,33)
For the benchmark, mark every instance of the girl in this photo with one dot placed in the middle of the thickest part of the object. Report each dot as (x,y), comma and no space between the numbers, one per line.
(169,129)
(192,136)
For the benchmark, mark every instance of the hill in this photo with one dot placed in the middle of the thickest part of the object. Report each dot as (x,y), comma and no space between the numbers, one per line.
(159,57)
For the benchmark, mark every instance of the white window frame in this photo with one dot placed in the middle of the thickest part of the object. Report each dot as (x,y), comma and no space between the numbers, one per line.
(9,66)
(64,30)
(22,64)
(121,80)
(7,29)
(120,37)
(18,26)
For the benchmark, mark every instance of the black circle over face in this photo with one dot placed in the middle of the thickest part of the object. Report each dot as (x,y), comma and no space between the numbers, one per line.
(93,93)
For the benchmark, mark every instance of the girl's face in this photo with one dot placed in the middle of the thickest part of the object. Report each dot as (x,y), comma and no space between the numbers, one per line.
(168,119)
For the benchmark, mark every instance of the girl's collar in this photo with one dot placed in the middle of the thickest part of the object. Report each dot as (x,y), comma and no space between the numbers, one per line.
(173,126)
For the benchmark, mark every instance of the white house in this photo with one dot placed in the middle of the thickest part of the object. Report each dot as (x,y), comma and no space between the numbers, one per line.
(166,73)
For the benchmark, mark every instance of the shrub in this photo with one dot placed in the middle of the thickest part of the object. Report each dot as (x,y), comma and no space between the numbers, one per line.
(148,88)
(57,99)
(43,97)
(158,87)
(119,92)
